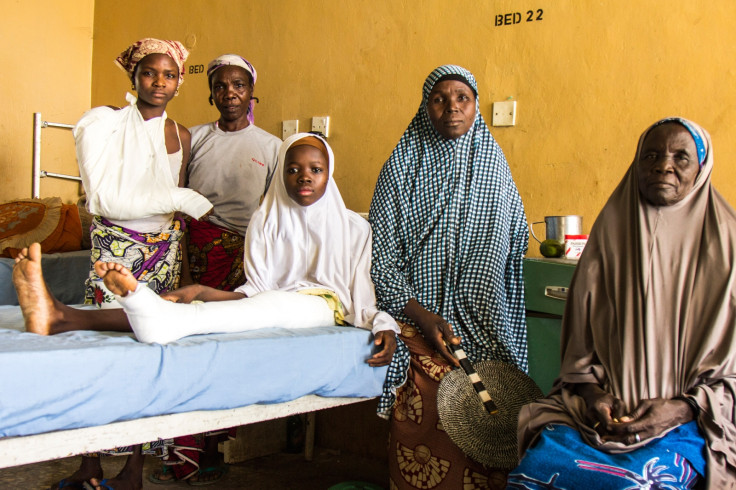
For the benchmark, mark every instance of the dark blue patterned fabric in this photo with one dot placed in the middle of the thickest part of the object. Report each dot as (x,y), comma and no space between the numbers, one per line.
(449,230)
(560,459)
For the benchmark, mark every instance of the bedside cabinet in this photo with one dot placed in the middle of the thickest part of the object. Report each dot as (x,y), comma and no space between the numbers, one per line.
(545,287)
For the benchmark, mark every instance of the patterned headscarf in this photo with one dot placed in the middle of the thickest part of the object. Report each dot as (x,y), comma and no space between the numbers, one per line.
(130,58)
(701,142)
(449,230)
(234,60)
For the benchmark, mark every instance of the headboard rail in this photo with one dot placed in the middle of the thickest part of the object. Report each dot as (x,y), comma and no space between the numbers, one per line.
(38,125)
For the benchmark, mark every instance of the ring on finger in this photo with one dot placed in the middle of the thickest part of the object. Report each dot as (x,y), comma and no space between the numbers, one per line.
(637,437)
(595,426)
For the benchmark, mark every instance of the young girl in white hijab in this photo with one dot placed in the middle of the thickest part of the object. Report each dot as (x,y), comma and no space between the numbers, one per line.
(307,263)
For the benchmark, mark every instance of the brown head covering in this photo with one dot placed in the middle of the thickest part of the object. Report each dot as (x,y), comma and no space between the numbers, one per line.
(129,58)
(312,141)
(651,313)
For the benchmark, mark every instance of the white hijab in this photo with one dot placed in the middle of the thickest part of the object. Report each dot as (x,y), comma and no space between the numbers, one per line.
(289,247)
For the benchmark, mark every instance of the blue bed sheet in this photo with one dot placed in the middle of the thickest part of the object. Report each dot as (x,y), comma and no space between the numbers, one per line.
(83,379)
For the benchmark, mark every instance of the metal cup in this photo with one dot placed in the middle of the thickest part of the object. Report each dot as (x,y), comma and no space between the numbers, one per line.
(559,226)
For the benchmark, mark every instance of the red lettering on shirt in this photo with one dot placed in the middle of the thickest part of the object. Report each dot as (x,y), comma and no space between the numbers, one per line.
(259,163)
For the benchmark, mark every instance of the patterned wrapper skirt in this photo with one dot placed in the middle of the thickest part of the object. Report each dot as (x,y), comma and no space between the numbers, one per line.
(153,258)
(560,458)
(421,454)
(215,255)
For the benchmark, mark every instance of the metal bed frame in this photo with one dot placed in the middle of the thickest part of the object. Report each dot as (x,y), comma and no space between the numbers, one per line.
(38,174)
(21,450)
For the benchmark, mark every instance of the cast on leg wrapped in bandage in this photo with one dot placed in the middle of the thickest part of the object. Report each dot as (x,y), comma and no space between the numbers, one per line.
(155,320)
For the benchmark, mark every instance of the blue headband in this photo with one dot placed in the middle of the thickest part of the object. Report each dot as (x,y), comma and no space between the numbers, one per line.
(699,143)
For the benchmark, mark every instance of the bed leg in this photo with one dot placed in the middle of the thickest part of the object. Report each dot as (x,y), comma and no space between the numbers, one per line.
(235,451)
(255,440)
(309,436)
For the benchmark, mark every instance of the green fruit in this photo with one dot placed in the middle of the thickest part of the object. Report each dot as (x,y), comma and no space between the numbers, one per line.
(552,248)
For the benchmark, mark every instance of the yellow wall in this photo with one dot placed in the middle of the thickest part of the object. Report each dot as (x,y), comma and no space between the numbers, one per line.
(588,78)
(47,48)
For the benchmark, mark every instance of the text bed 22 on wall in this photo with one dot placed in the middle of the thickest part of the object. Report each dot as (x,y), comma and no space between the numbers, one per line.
(513,18)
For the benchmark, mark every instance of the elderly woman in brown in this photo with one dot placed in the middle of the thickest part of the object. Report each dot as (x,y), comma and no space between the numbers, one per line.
(647,386)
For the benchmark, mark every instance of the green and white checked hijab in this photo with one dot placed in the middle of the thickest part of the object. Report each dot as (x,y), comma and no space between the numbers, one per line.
(449,230)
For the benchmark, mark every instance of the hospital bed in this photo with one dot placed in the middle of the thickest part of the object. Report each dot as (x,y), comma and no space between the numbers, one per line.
(86,391)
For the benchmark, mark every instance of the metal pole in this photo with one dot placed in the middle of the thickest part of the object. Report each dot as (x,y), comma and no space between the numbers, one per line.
(36,177)
(60,176)
(47,124)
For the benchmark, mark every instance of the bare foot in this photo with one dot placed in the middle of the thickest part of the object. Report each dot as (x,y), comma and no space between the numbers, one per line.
(162,476)
(23,254)
(36,303)
(116,277)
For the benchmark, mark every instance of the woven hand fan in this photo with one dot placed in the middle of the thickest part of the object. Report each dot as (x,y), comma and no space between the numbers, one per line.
(485,429)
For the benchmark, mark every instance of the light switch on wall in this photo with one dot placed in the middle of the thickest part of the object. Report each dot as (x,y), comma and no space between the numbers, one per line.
(321,124)
(504,113)
(289,127)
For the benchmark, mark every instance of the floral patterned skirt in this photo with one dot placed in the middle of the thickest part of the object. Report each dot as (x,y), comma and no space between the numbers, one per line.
(215,256)
(421,454)
(560,458)
(153,258)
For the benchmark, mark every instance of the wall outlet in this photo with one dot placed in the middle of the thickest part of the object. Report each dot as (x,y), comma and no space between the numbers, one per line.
(289,127)
(321,124)
(504,113)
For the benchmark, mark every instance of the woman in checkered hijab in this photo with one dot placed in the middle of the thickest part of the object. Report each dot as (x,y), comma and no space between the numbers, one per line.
(449,239)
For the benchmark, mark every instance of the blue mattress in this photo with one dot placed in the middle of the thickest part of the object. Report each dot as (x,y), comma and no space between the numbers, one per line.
(83,379)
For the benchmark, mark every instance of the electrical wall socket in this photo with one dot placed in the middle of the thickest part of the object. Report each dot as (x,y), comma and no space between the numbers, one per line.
(504,113)
(289,127)
(321,124)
